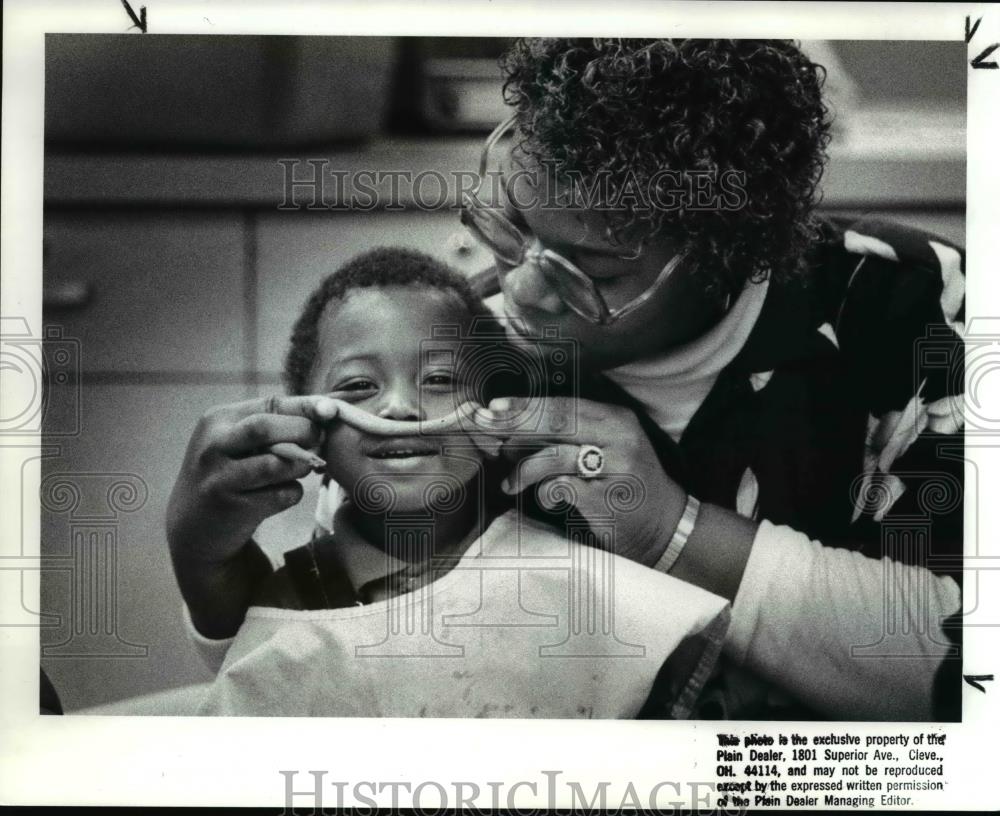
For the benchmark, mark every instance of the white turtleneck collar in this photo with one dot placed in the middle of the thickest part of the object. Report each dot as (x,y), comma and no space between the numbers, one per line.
(672,386)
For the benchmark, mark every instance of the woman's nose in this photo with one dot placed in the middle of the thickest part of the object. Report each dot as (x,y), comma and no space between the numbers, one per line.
(401,402)
(527,287)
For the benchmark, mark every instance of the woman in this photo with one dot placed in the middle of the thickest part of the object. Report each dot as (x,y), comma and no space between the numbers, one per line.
(771,365)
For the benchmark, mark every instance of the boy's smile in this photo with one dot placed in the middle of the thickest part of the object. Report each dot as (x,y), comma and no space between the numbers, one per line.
(401,452)
(377,350)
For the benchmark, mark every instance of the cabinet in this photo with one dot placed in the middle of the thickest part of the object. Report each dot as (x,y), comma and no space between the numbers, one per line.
(107,575)
(156,302)
(155,292)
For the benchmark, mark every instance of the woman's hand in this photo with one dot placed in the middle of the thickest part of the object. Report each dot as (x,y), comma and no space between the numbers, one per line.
(542,438)
(230,481)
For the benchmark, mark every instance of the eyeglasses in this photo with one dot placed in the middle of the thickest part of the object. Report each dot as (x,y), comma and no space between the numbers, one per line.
(513,248)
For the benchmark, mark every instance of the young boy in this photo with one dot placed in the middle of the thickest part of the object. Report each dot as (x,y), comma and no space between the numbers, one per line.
(429,597)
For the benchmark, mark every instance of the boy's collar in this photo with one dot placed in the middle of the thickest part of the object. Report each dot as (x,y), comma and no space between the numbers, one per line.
(360,561)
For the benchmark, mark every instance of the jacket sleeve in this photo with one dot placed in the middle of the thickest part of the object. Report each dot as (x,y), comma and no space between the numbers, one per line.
(211,651)
(812,619)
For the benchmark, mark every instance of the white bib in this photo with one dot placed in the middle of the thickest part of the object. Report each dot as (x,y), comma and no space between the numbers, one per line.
(528,624)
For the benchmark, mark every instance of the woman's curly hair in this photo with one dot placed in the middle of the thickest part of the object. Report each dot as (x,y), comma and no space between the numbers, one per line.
(623,110)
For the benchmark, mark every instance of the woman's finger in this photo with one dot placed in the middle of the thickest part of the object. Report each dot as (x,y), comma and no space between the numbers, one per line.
(546,419)
(555,460)
(560,491)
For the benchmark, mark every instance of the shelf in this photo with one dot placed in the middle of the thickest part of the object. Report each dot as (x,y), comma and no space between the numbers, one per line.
(882,159)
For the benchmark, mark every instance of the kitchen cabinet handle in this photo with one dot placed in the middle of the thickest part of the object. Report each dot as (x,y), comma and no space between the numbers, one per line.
(67,295)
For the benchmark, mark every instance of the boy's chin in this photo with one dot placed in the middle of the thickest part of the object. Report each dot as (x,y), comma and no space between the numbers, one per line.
(388,492)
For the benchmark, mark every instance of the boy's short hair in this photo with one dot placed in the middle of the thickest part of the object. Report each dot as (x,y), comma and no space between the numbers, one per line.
(382,266)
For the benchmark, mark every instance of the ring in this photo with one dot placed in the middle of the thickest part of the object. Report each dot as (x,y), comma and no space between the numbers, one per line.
(589,461)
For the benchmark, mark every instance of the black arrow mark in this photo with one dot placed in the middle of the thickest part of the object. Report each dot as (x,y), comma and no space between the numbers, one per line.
(138,22)
(970,34)
(972,678)
(980,61)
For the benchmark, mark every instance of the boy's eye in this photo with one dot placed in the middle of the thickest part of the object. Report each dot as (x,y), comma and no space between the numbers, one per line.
(440,379)
(356,386)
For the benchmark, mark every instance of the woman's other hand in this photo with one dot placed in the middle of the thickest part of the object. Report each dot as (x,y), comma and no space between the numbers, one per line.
(542,438)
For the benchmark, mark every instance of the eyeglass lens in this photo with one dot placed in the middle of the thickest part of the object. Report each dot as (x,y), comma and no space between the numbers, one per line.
(503,238)
(575,291)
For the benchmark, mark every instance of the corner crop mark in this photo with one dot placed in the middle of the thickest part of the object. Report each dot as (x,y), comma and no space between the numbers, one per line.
(979,61)
(137,22)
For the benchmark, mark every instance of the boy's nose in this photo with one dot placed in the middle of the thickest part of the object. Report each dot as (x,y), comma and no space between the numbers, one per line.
(527,287)
(401,403)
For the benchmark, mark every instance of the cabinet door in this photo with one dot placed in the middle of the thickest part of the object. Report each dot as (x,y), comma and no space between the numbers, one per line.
(160,292)
(117,627)
(295,251)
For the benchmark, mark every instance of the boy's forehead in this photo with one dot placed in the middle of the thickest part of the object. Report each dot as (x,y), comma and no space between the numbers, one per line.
(385,302)
(393,317)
